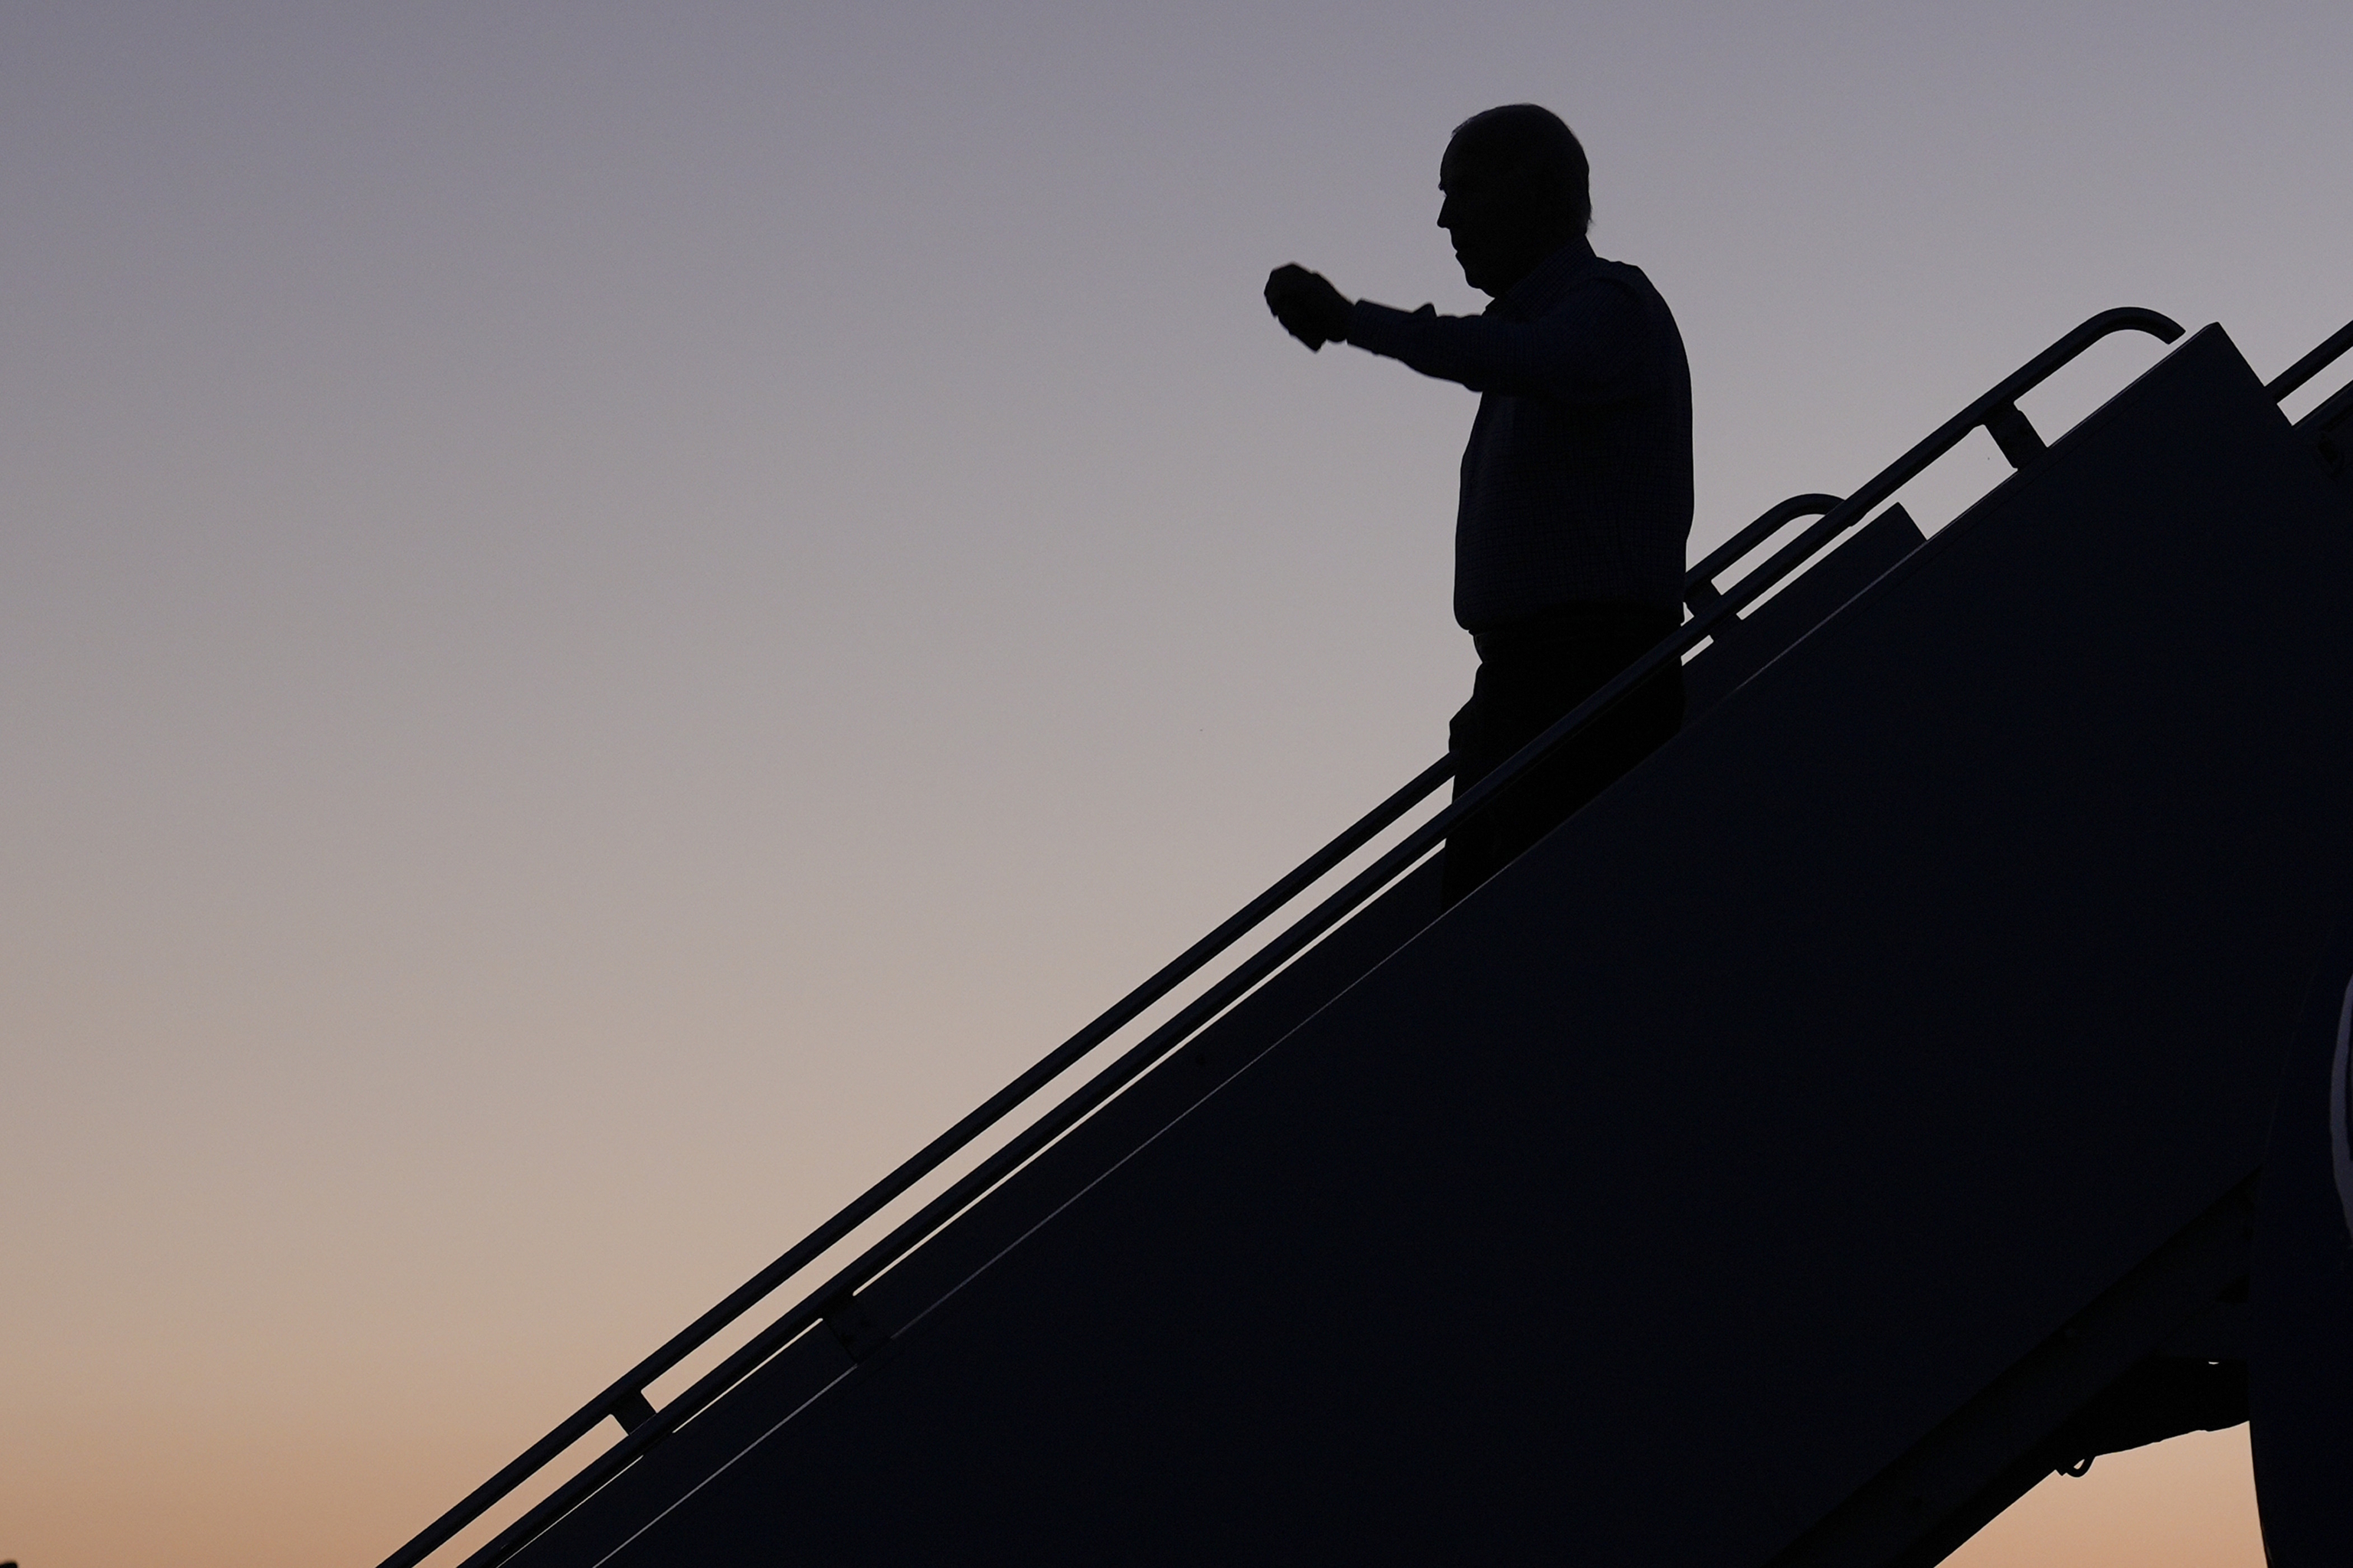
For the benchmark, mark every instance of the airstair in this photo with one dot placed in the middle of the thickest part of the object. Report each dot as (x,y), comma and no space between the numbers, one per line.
(1848,1118)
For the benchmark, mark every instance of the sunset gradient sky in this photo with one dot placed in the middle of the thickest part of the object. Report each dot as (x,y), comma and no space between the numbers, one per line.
(610,614)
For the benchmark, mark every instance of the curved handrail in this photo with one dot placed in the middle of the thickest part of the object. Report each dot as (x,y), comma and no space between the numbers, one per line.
(625,1399)
(1998,409)
(1699,584)
(2311,365)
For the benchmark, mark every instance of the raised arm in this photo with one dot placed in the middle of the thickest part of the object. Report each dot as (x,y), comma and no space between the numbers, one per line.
(1587,349)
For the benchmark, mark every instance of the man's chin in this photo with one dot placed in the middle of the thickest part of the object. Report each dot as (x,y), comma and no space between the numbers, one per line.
(1480,278)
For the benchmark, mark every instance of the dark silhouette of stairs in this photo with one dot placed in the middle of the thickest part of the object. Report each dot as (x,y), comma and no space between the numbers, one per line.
(1848,1118)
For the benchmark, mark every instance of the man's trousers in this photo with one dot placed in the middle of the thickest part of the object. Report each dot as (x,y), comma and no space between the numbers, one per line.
(1531,674)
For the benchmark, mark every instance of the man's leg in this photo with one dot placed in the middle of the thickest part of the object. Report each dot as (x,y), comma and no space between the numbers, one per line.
(1478,739)
(1526,683)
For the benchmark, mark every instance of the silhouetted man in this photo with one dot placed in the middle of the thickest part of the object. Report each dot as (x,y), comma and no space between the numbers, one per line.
(1576,483)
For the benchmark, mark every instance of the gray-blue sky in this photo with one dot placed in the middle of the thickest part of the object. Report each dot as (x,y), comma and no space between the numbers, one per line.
(607,614)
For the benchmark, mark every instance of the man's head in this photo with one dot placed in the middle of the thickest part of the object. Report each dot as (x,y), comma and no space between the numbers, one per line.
(1516,190)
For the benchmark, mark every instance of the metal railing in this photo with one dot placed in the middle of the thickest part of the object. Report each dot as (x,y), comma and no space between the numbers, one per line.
(2323,421)
(643,1426)
(2311,365)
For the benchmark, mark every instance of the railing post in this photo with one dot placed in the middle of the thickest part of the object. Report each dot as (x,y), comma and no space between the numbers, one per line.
(2015,434)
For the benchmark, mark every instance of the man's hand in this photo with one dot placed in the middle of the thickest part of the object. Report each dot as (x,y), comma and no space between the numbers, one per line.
(1307,305)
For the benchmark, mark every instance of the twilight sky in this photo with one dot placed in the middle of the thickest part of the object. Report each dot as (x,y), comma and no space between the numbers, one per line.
(608,615)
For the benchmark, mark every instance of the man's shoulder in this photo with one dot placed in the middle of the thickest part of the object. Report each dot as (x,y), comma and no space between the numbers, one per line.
(1613,277)
(1617,301)
(1605,289)
(1584,285)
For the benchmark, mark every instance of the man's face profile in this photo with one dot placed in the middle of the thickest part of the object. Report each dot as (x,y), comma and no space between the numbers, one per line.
(1493,215)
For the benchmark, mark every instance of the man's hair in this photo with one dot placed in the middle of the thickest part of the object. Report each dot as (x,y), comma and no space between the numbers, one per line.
(1526,136)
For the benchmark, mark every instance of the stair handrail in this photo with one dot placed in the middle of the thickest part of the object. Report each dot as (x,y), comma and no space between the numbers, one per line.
(1700,591)
(644,1425)
(2311,365)
(621,1397)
